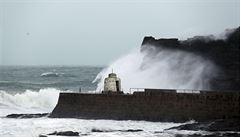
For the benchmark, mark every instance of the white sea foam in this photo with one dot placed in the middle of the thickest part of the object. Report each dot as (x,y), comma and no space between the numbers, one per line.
(170,69)
(50,74)
(29,101)
(36,126)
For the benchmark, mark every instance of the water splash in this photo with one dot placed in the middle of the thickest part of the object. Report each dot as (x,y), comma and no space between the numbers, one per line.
(29,101)
(165,69)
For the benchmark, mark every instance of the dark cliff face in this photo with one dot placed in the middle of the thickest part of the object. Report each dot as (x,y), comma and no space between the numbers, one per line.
(224,53)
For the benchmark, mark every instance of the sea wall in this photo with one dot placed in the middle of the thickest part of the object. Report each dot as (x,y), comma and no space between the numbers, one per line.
(151,105)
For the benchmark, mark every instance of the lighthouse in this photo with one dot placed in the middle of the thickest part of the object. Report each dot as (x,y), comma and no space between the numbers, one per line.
(112,84)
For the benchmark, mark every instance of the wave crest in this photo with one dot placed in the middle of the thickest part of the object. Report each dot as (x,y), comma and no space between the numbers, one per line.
(29,101)
(50,74)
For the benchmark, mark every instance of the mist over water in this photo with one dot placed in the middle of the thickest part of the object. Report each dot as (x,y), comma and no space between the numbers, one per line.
(164,69)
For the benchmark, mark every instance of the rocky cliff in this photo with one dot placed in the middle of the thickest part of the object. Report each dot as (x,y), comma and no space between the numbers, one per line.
(224,52)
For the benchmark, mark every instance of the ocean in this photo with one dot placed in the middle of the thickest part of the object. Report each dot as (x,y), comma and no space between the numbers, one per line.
(35,89)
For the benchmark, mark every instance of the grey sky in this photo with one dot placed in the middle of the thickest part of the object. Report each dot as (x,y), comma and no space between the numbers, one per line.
(67,32)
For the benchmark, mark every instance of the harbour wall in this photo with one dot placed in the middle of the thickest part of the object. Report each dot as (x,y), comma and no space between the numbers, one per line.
(151,105)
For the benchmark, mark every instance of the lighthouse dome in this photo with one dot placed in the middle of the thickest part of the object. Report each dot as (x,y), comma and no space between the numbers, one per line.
(112,75)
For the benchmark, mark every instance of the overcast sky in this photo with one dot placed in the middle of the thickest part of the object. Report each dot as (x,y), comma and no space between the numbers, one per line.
(67,32)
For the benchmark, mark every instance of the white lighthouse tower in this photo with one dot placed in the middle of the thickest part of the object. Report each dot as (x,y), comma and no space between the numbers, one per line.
(112,84)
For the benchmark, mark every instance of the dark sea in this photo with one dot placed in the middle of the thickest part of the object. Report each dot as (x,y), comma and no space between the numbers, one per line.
(35,89)
(21,78)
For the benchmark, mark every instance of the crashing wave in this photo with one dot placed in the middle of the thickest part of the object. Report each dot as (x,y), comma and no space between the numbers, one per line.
(51,74)
(29,101)
(195,63)
(170,70)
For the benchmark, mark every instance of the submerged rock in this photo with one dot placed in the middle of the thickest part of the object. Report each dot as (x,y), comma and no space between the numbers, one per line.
(64,133)
(128,130)
(211,135)
(98,130)
(38,115)
(42,136)
(216,125)
(132,130)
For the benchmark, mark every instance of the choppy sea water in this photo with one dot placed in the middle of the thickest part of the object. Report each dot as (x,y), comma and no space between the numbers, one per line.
(22,78)
(36,89)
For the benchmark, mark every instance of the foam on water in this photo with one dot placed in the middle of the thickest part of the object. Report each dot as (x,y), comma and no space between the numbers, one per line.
(35,127)
(29,101)
(50,74)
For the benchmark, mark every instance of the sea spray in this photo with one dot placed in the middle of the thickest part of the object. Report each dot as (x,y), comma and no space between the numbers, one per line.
(164,68)
(29,101)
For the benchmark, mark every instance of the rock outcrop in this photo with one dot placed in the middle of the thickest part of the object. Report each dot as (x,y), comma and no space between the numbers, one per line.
(61,133)
(212,126)
(38,115)
(65,133)
(128,130)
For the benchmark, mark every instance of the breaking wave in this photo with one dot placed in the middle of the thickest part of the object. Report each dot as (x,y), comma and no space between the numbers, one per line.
(165,69)
(29,101)
(51,74)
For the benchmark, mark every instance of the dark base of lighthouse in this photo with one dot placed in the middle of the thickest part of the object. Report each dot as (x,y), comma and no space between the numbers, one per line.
(151,105)
(113,92)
